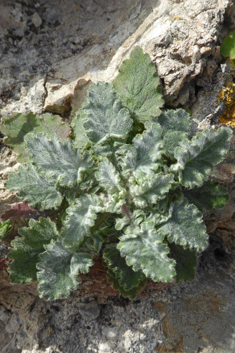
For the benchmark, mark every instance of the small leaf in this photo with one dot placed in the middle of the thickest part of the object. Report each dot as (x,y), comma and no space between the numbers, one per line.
(28,248)
(34,187)
(80,218)
(17,126)
(196,158)
(5,228)
(210,195)
(127,278)
(144,250)
(176,127)
(175,120)
(228,46)
(137,84)
(126,293)
(186,262)
(145,155)
(109,178)
(104,116)
(186,227)
(59,269)
(80,138)
(151,189)
(58,160)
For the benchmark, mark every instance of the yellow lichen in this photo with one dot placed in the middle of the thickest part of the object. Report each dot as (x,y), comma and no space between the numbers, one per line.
(227,95)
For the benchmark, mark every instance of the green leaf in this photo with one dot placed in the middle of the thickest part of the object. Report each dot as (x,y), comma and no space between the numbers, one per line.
(80,218)
(175,120)
(109,178)
(58,160)
(5,228)
(210,195)
(104,116)
(196,158)
(80,138)
(144,250)
(28,247)
(59,269)
(186,262)
(228,46)
(151,189)
(176,127)
(126,293)
(34,187)
(127,278)
(17,126)
(185,226)
(137,84)
(145,154)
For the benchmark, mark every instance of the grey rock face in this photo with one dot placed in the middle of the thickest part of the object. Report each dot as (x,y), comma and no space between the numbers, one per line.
(46,48)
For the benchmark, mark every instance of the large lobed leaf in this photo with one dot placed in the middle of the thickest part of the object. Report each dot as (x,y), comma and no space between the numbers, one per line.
(58,270)
(58,160)
(28,247)
(17,126)
(196,158)
(137,84)
(34,187)
(144,250)
(185,226)
(103,114)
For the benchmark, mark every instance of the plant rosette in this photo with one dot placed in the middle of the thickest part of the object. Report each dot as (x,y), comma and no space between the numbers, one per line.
(128,184)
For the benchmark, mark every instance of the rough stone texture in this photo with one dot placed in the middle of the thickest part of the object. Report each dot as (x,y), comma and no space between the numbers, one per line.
(46,49)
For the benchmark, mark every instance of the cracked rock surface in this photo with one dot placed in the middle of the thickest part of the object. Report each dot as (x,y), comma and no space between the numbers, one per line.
(47,48)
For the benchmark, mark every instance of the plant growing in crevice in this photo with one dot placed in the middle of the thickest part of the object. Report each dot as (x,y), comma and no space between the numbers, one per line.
(128,184)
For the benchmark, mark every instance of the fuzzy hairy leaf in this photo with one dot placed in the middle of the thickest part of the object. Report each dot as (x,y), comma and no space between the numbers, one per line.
(130,218)
(186,262)
(5,228)
(196,158)
(144,250)
(126,293)
(59,269)
(137,84)
(210,195)
(34,188)
(80,218)
(172,139)
(28,247)
(145,154)
(104,116)
(17,126)
(126,277)
(80,137)
(185,226)
(151,189)
(58,160)
(109,178)
(175,120)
